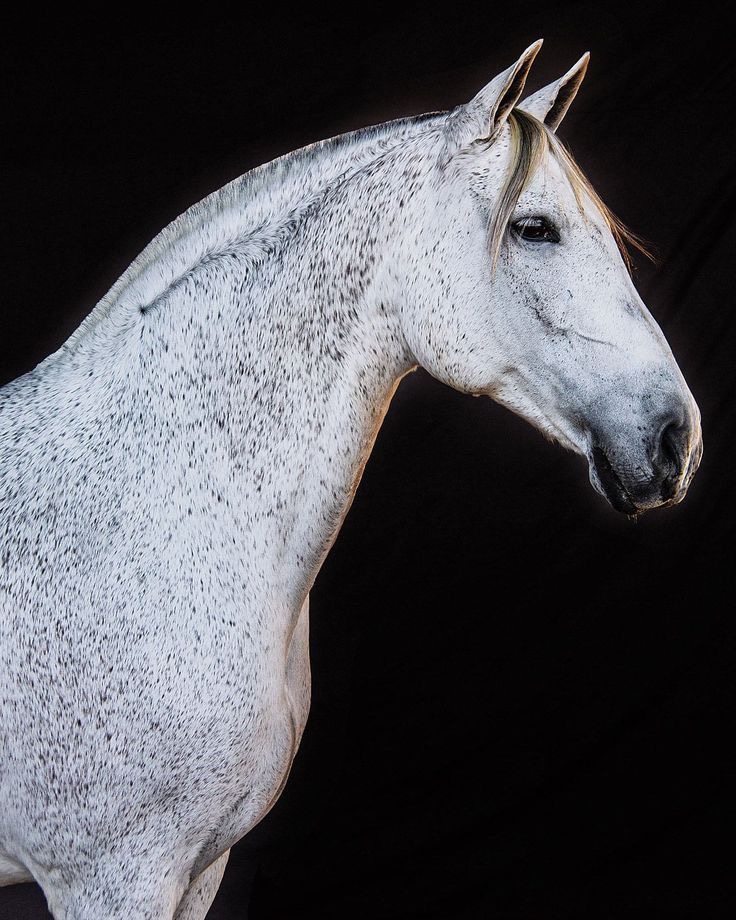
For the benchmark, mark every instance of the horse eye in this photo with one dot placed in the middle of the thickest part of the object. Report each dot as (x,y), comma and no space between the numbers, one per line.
(536,230)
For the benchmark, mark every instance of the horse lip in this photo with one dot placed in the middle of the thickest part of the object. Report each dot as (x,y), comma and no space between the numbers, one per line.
(613,489)
(696,456)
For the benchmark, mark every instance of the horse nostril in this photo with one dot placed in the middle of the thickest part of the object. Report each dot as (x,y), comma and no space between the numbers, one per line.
(671,444)
(671,451)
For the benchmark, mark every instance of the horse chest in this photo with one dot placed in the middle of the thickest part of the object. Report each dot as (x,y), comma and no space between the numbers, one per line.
(191,699)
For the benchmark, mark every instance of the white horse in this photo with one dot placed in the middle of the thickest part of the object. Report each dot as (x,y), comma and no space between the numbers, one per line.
(173,476)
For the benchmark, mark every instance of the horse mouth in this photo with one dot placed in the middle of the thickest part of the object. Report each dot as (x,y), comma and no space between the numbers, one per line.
(613,489)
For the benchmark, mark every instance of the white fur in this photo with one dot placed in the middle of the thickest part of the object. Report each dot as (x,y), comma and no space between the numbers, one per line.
(172,477)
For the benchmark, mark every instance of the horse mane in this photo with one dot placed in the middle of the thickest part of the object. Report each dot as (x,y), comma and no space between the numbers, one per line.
(250,214)
(255,212)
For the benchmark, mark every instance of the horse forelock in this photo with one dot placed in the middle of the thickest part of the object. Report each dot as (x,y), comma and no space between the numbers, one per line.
(530,142)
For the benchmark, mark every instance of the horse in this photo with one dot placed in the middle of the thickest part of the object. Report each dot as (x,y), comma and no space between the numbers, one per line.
(173,476)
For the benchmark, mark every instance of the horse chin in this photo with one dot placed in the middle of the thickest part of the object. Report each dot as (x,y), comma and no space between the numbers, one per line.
(634,497)
(606,480)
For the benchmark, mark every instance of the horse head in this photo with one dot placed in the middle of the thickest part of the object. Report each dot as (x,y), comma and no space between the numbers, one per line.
(519,289)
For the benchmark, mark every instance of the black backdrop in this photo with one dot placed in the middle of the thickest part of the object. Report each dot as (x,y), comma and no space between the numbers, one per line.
(522,702)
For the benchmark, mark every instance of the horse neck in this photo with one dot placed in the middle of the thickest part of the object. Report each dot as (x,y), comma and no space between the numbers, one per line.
(296,364)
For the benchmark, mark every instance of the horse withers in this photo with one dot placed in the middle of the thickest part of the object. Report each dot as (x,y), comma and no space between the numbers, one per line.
(173,476)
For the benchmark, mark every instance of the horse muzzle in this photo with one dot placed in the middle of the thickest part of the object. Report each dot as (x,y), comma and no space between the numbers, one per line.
(653,469)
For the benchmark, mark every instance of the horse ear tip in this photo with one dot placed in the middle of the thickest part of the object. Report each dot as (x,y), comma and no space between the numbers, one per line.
(579,67)
(527,57)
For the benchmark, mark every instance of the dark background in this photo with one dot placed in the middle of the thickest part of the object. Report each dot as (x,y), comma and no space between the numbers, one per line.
(523,703)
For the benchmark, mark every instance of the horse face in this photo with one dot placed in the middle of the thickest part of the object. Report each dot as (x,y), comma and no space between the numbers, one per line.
(582,357)
(540,313)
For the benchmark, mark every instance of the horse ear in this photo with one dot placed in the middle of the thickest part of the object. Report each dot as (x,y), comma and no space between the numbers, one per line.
(480,118)
(550,104)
